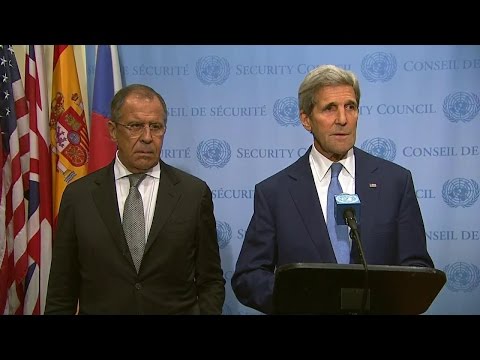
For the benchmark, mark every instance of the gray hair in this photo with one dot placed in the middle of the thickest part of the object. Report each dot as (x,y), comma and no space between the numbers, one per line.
(321,76)
(143,91)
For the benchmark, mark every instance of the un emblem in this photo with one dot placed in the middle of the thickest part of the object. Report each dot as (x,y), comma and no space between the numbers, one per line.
(212,70)
(345,198)
(380,147)
(460,192)
(224,234)
(285,111)
(461,106)
(213,153)
(462,276)
(379,66)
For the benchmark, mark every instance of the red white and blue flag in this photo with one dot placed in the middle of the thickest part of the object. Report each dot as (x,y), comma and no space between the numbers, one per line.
(107,82)
(14,164)
(39,248)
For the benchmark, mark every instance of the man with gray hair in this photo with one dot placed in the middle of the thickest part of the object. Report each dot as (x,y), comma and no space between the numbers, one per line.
(293,220)
(137,236)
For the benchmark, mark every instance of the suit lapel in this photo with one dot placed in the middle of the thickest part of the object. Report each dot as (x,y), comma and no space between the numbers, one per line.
(105,199)
(368,186)
(305,196)
(367,183)
(167,199)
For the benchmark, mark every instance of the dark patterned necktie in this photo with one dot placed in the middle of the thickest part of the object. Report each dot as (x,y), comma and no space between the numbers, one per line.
(338,233)
(134,220)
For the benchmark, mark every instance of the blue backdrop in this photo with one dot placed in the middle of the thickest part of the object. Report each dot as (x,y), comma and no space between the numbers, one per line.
(233,121)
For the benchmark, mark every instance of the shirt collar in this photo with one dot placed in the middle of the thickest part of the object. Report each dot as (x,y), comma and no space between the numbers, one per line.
(121,171)
(323,164)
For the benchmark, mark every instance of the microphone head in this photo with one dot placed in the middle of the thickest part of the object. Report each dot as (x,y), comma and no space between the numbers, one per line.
(343,202)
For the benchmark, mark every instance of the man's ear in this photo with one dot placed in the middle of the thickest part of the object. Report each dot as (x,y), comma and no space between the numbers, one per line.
(112,129)
(305,119)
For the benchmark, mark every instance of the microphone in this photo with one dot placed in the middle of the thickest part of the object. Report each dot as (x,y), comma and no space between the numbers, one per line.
(347,212)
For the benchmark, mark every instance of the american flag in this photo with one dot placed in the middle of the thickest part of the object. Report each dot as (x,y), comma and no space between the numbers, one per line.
(14,162)
(40,186)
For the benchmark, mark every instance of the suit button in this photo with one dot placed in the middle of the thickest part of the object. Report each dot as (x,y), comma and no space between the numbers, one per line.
(138,286)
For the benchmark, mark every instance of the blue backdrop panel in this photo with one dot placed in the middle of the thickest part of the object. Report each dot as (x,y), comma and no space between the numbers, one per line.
(233,121)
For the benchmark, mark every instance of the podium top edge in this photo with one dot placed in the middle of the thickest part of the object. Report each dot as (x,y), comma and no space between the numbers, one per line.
(394,268)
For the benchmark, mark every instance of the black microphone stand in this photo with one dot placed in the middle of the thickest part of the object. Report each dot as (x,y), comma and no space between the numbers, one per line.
(349,215)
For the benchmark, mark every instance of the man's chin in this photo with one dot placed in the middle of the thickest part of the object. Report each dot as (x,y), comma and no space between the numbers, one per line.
(146,163)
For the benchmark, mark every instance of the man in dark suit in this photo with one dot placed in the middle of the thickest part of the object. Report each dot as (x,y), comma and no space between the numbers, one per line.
(93,263)
(289,223)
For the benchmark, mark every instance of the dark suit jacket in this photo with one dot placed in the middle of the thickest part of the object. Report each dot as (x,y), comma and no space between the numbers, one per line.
(288,225)
(180,271)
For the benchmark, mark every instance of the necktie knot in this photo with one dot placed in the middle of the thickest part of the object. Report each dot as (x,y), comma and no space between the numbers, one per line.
(136,179)
(336,168)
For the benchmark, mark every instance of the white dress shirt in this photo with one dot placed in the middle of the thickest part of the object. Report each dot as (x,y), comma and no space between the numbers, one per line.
(148,189)
(320,166)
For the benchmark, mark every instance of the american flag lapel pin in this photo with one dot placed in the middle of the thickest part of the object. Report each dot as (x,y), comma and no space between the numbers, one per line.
(372,185)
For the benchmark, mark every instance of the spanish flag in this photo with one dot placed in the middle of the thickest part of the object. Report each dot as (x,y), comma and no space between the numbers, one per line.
(68,128)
